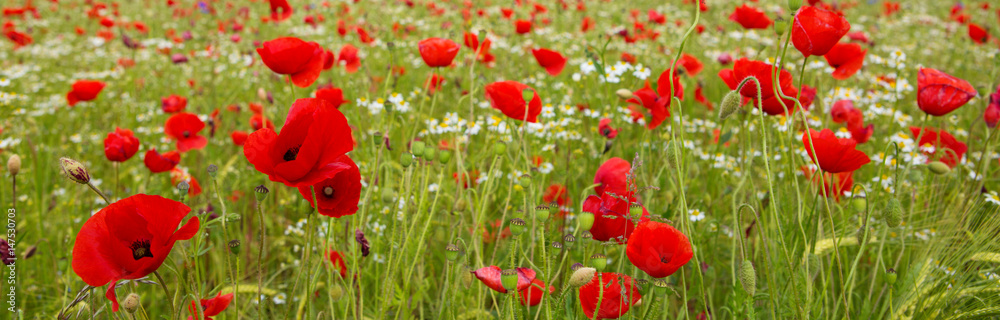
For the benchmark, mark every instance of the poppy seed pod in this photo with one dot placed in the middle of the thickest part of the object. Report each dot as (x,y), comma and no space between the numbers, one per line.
(780,25)
(406,159)
(660,284)
(582,276)
(730,103)
(260,192)
(748,277)
(417,147)
(430,154)
(377,138)
(599,261)
(499,148)
(444,156)
(568,241)
(524,181)
(74,170)
(527,94)
(892,213)
(938,168)
(517,226)
(794,5)
(542,212)
(131,303)
(586,220)
(635,211)
(890,276)
(508,278)
(213,170)
(183,186)
(556,248)
(624,93)
(234,246)
(451,252)
(14,164)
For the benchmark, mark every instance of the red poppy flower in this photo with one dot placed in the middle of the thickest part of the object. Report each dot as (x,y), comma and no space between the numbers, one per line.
(658,107)
(280,10)
(658,249)
(338,195)
(84,90)
(807,96)
(522,26)
(533,295)
(302,61)
(258,122)
(834,155)
(861,133)
(434,83)
(184,128)
(552,61)
(313,138)
(177,176)
(750,17)
(471,40)
(120,145)
(556,193)
(843,111)
(859,36)
(239,137)
(333,95)
(846,59)
(604,127)
(507,96)
(348,56)
(992,114)
(656,17)
(939,145)
(699,96)
(173,103)
(744,68)
(690,64)
(615,300)
(586,24)
(611,210)
(338,262)
(611,175)
(490,276)
(211,307)
(438,52)
(815,31)
(978,34)
(128,240)
(157,162)
(19,39)
(939,93)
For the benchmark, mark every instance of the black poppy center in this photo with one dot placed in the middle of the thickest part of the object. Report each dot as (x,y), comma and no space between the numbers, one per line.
(186,134)
(140,249)
(328,191)
(291,154)
(665,258)
(606,132)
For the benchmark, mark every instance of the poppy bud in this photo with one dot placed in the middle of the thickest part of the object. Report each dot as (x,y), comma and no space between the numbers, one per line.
(556,248)
(14,164)
(859,203)
(730,103)
(212,170)
(74,170)
(260,192)
(451,252)
(671,153)
(336,292)
(890,276)
(377,138)
(234,246)
(517,226)
(405,159)
(508,278)
(861,236)
(625,94)
(794,5)
(444,156)
(131,303)
(586,220)
(542,212)
(748,277)
(527,94)
(582,276)
(568,241)
(938,168)
(388,194)
(460,205)
(499,148)
(417,147)
(599,261)
(892,213)
(430,154)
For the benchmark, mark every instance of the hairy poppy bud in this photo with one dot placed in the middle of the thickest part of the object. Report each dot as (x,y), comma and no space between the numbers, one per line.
(862,237)
(892,213)
(730,103)
(625,94)
(213,170)
(336,292)
(460,205)
(406,159)
(794,5)
(234,246)
(517,226)
(417,147)
(388,195)
(451,252)
(890,276)
(74,170)
(582,276)
(542,212)
(499,148)
(131,303)
(260,192)
(586,220)
(508,278)
(599,261)
(938,167)
(671,153)
(444,156)
(568,241)
(748,277)
(14,164)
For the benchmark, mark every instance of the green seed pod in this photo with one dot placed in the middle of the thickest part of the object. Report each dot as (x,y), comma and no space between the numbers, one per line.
(892,213)
(417,147)
(508,278)
(524,181)
(730,103)
(575,266)
(582,276)
(234,246)
(444,156)
(890,276)
(388,195)
(74,170)
(499,148)
(14,164)
(183,186)
(430,154)
(460,205)
(260,192)
(794,5)
(661,285)
(599,261)
(213,170)
(527,94)
(587,235)
(586,220)
(405,159)
(556,248)
(938,168)
(542,213)
(377,138)
(131,303)
(517,226)
(780,25)
(553,209)
(635,211)
(568,241)
(451,252)
(748,277)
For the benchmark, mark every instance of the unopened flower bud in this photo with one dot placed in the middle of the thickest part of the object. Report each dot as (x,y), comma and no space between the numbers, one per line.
(74,170)
(14,164)
(599,261)
(451,252)
(862,236)
(748,277)
(586,220)
(671,153)
(388,195)
(938,168)
(336,292)
(730,103)
(508,278)
(517,226)
(892,213)
(131,303)
(625,94)
(582,276)
(261,94)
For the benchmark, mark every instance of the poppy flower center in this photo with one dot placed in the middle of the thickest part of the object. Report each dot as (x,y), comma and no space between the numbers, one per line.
(606,132)
(140,249)
(186,134)
(665,258)
(328,192)
(291,154)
